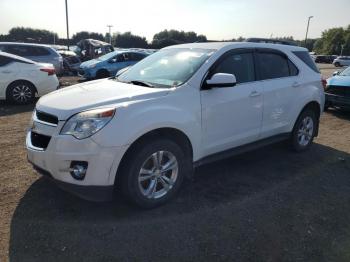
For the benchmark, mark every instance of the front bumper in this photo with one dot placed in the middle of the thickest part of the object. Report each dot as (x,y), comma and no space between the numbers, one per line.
(61,150)
(87,74)
(336,100)
(91,193)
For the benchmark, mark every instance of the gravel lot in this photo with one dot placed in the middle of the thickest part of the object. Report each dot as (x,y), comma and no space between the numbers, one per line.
(266,205)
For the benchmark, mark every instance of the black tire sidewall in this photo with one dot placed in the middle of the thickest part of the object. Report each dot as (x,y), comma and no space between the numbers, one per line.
(130,186)
(296,146)
(9,93)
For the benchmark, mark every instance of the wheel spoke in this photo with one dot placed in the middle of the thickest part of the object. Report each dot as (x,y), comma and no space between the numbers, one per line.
(165,185)
(170,165)
(167,180)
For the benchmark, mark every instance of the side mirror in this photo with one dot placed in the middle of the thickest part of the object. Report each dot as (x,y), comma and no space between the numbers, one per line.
(221,80)
(112,61)
(336,73)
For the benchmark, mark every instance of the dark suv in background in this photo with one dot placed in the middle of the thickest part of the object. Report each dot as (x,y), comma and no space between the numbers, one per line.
(35,52)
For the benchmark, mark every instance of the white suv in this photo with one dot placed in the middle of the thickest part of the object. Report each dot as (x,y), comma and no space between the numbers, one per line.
(143,131)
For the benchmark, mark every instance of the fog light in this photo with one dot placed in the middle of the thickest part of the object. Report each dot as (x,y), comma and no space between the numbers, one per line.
(78,169)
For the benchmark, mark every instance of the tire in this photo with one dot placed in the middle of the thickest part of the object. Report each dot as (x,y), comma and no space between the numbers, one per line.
(304,131)
(337,64)
(20,93)
(142,183)
(102,74)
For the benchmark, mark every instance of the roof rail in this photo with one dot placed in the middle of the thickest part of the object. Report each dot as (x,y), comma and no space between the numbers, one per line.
(270,41)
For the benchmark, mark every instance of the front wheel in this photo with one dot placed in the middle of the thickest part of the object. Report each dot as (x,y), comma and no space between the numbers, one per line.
(304,131)
(153,173)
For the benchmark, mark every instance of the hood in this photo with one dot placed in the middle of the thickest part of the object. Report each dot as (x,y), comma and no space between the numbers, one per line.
(339,81)
(89,63)
(106,92)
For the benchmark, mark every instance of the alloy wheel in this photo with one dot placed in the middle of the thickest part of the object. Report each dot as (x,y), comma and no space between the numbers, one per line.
(22,93)
(158,174)
(306,130)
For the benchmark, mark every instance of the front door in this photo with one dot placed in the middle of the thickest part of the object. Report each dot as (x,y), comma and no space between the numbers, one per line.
(232,116)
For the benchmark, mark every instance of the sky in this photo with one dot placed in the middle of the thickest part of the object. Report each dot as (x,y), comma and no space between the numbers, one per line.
(217,19)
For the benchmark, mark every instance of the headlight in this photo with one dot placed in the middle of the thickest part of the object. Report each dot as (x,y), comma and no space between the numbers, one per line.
(92,66)
(85,124)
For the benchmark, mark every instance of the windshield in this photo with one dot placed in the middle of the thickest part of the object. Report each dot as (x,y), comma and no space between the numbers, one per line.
(168,67)
(346,72)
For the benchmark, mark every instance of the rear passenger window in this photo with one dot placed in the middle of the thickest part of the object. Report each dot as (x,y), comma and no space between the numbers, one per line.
(272,65)
(241,65)
(41,51)
(306,58)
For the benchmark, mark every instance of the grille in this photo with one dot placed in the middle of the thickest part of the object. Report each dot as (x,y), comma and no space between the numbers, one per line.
(338,90)
(45,117)
(40,141)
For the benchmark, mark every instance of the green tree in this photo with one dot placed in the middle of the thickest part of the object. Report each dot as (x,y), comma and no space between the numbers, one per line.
(173,37)
(26,34)
(128,40)
(86,35)
(333,40)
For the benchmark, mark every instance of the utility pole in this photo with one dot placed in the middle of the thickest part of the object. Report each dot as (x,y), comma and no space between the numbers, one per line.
(67,24)
(110,36)
(307,28)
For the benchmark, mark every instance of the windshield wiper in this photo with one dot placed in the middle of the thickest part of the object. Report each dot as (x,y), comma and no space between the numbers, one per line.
(141,83)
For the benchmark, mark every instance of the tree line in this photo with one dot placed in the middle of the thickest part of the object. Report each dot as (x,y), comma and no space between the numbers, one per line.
(123,40)
(334,41)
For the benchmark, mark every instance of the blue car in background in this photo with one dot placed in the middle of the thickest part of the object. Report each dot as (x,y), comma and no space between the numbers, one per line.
(109,64)
(338,90)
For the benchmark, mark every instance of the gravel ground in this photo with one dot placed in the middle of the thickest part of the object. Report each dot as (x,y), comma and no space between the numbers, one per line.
(266,205)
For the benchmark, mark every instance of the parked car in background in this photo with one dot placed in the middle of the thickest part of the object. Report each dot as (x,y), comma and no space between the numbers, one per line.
(88,49)
(71,61)
(324,59)
(36,52)
(342,61)
(110,64)
(338,90)
(22,79)
(183,106)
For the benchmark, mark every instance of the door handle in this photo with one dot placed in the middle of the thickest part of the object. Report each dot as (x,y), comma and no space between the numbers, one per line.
(6,72)
(296,84)
(254,94)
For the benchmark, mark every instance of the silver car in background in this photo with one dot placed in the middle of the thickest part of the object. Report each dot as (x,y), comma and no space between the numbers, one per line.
(342,61)
(35,52)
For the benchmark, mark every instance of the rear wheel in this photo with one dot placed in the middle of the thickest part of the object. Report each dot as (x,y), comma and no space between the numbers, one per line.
(304,130)
(21,93)
(153,173)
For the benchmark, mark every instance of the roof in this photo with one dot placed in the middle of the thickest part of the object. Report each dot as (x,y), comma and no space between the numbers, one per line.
(17,57)
(220,45)
(20,43)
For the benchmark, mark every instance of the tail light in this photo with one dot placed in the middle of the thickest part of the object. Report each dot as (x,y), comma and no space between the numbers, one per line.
(49,71)
(324,83)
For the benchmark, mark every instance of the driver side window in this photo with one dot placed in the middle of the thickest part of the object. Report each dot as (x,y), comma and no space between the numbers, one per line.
(241,65)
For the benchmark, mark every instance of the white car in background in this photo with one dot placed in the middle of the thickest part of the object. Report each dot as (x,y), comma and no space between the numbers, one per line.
(21,79)
(342,61)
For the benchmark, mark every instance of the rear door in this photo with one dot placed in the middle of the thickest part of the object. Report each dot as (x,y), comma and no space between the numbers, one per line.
(280,81)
